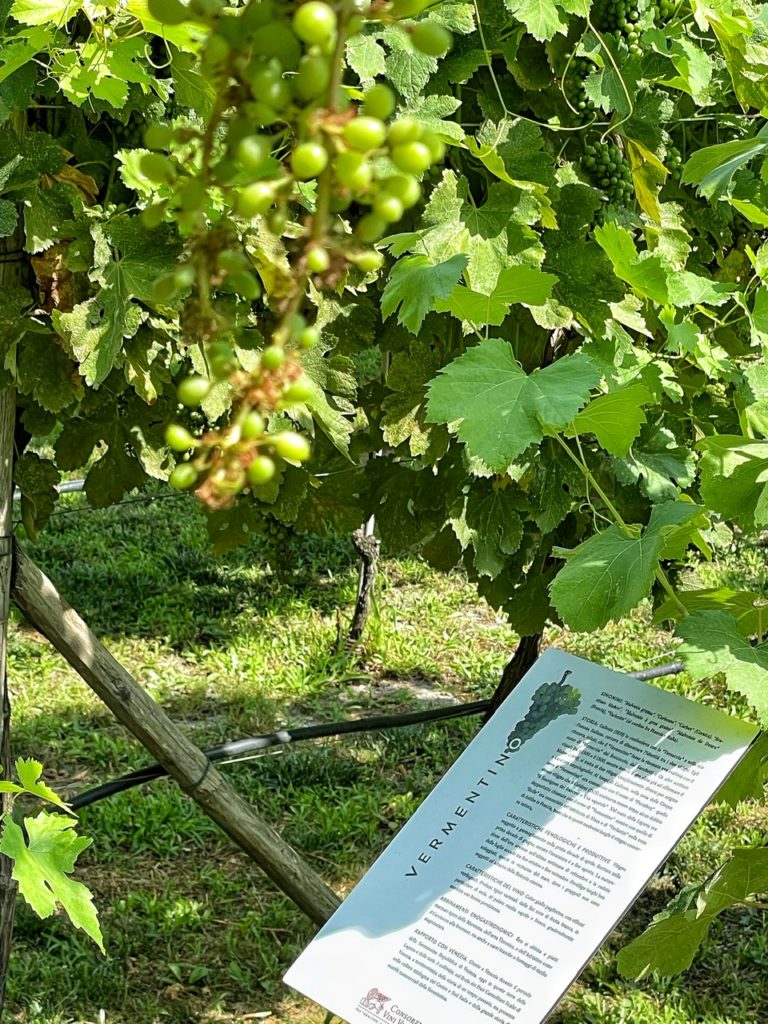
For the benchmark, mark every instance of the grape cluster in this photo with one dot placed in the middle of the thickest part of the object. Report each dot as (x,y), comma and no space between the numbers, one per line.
(282,127)
(220,464)
(605,165)
(674,161)
(128,135)
(574,87)
(621,18)
(550,701)
(664,10)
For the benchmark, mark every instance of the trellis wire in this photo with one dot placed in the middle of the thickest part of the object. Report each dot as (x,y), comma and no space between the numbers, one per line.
(374,723)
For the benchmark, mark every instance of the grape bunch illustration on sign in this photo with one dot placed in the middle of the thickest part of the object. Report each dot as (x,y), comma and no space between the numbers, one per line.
(549,701)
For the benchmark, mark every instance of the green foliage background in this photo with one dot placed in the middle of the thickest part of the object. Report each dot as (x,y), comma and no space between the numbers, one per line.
(561,390)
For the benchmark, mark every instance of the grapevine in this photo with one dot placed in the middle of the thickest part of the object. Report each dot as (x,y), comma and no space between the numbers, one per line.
(493,275)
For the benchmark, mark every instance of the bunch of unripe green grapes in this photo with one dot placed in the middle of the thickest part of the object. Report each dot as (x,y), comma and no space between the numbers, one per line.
(283,129)
(620,17)
(607,168)
(664,10)
(674,161)
(574,87)
(550,701)
(220,464)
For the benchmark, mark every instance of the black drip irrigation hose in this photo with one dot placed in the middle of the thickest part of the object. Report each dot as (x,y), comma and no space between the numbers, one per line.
(374,723)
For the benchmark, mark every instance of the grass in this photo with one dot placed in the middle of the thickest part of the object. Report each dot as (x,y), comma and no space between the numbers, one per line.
(194,932)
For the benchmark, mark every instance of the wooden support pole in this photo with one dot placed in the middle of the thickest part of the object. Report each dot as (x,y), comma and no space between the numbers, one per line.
(47,611)
(7,884)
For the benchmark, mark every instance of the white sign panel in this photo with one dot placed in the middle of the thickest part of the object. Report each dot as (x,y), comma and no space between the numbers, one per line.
(497,892)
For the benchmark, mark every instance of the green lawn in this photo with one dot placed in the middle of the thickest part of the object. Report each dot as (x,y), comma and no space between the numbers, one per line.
(230,647)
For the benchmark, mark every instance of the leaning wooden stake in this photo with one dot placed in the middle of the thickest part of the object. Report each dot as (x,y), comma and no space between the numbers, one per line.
(7,884)
(47,611)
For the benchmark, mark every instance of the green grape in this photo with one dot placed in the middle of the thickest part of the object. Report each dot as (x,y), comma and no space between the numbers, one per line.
(278,221)
(604,162)
(158,136)
(402,187)
(369,261)
(261,470)
(353,171)
(435,145)
(268,85)
(313,78)
(190,195)
(253,425)
(292,446)
(300,390)
(379,102)
(245,284)
(430,38)
(404,130)
(164,288)
(272,358)
(179,438)
(184,276)
(309,159)
(389,208)
(574,83)
(318,260)
(183,477)
(309,337)
(370,227)
(365,133)
(233,261)
(276,39)
(408,8)
(193,390)
(253,152)
(255,199)
(216,51)
(167,12)
(411,157)
(152,216)
(221,366)
(156,168)
(315,22)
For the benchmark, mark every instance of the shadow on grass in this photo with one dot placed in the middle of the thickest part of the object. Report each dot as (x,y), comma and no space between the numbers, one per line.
(147,570)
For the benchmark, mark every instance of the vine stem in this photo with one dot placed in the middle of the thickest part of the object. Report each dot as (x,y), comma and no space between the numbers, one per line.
(660,575)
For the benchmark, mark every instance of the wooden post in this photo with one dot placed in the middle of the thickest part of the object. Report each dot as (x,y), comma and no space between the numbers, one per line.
(14,271)
(47,611)
(7,884)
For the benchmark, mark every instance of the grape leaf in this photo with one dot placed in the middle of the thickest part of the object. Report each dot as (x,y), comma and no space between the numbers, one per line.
(740,604)
(42,12)
(366,56)
(543,18)
(712,169)
(615,419)
(46,373)
(414,284)
(527,285)
(747,780)
(191,88)
(42,866)
(19,50)
(403,411)
(712,643)
(36,478)
(9,217)
(671,941)
(490,525)
(658,463)
(611,572)
(734,478)
(29,773)
(486,386)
